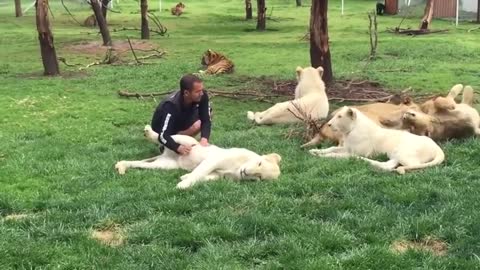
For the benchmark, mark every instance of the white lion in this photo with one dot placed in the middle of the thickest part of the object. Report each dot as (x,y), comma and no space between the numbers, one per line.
(208,163)
(363,138)
(310,101)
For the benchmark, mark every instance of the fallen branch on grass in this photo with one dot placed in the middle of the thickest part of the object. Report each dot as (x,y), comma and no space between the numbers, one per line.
(109,58)
(138,29)
(414,32)
(473,29)
(112,58)
(253,95)
(63,60)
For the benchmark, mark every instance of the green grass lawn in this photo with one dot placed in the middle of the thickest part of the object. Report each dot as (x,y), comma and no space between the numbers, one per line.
(60,138)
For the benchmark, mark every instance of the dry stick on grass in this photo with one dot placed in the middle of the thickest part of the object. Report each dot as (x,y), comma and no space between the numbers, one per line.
(473,29)
(111,58)
(257,96)
(414,32)
(63,60)
(133,51)
(136,29)
(313,126)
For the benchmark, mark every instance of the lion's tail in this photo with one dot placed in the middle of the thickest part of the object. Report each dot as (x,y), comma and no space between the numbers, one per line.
(439,158)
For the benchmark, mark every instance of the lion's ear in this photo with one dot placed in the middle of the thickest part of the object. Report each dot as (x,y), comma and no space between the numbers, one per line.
(320,71)
(274,157)
(351,113)
(299,71)
(407,100)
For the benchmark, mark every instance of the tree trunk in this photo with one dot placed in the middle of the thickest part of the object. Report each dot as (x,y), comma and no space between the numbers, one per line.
(427,15)
(18,8)
(102,24)
(105,9)
(143,11)
(248,9)
(319,48)
(299,3)
(45,37)
(478,11)
(261,15)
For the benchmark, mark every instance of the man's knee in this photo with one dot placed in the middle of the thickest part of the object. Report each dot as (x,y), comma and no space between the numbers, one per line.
(196,126)
(193,130)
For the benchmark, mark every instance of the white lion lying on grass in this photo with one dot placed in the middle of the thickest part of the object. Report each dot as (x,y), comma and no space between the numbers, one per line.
(362,138)
(208,163)
(310,101)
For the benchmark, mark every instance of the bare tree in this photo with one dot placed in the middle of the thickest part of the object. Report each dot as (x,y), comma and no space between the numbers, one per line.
(261,15)
(45,37)
(427,15)
(319,47)
(102,23)
(299,3)
(18,8)
(248,10)
(143,12)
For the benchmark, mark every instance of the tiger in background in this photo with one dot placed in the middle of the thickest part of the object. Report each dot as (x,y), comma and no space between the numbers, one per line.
(216,63)
(90,21)
(178,9)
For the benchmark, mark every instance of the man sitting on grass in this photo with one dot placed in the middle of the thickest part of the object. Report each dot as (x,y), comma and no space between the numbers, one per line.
(185,112)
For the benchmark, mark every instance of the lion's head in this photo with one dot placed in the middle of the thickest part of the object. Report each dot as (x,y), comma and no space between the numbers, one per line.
(344,119)
(264,167)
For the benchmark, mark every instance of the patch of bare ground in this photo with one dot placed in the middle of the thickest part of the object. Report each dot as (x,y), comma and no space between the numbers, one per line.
(428,244)
(111,236)
(96,48)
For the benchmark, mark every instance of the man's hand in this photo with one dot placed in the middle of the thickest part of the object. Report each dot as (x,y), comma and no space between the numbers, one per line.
(204,142)
(184,150)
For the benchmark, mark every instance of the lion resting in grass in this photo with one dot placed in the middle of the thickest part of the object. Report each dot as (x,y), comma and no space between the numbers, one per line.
(310,101)
(441,118)
(364,138)
(208,163)
(377,112)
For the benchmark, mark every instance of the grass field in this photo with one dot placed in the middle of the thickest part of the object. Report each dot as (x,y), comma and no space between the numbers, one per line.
(60,137)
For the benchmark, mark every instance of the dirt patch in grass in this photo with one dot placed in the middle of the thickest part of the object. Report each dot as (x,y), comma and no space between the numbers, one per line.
(111,237)
(96,47)
(341,90)
(429,244)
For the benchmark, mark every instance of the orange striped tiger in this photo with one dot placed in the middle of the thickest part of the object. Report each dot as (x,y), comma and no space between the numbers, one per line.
(216,63)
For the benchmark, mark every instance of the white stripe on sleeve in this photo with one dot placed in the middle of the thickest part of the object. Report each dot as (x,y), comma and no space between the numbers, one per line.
(165,126)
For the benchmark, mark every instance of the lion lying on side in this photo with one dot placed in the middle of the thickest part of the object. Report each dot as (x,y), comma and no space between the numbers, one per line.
(441,118)
(310,100)
(364,138)
(208,163)
(377,112)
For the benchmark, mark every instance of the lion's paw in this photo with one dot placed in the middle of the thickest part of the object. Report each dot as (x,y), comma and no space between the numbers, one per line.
(251,115)
(316,152)
(184,184)
(400,170)
(121,167)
